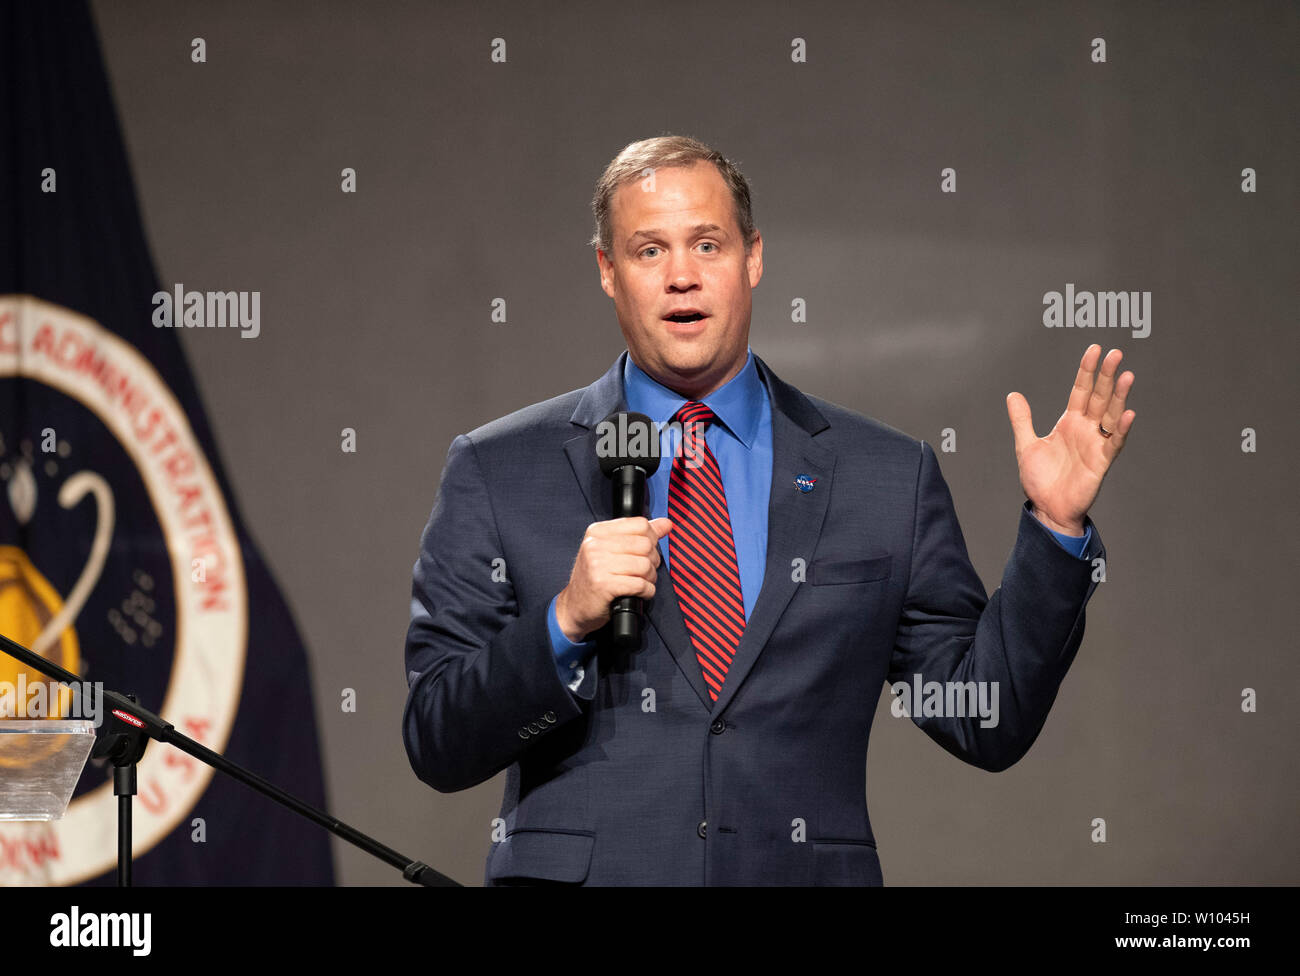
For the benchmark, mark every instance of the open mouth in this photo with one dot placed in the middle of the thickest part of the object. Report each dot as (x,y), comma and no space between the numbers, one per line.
(685,317)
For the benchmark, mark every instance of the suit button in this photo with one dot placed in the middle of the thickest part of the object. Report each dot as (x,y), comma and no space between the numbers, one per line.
(702,828)
(550,717)
(718,726)
(534,728)
(523,733)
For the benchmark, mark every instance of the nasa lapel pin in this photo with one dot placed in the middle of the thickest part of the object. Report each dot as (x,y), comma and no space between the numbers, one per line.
(805,483)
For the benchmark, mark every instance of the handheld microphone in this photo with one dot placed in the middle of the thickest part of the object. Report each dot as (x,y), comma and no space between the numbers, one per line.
(628,451)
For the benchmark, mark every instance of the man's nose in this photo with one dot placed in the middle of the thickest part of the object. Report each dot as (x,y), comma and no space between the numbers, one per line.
(682,273)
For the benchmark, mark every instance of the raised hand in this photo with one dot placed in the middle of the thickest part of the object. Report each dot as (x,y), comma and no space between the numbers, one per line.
(1061,473)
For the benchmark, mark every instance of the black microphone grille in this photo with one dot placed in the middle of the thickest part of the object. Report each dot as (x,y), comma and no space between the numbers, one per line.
(625,438)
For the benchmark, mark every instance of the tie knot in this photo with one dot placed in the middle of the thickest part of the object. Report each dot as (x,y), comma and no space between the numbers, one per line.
(694,412)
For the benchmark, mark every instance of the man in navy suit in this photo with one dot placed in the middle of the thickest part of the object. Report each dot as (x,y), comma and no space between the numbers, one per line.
(796,557)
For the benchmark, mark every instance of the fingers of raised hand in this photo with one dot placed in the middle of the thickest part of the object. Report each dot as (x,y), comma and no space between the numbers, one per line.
(1022,421)
(1113,410)
(1083,379)
(1100,398)
(1119,429)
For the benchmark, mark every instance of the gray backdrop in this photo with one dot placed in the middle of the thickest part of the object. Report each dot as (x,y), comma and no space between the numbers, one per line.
(924,310)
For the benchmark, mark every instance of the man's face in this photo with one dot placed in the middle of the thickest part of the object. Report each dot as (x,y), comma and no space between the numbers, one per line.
(677,248)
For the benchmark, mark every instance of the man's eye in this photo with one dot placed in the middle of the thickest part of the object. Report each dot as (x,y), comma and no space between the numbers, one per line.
(709,244)
(648,250)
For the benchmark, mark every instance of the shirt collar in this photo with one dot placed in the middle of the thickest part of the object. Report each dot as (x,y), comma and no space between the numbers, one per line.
(738,404)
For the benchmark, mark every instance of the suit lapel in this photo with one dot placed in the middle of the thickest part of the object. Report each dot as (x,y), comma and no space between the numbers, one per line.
(794,520)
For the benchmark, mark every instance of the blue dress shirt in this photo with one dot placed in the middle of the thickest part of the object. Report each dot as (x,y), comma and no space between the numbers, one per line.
(741,441)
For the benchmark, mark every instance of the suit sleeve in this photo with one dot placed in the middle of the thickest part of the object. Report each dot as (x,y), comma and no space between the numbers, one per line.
(481,675)
(1015,646)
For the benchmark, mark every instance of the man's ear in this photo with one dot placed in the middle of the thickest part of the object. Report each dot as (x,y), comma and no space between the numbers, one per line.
(606,273)
(754,260)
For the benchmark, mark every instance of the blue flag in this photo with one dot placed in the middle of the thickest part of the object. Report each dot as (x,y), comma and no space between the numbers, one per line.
(122,553)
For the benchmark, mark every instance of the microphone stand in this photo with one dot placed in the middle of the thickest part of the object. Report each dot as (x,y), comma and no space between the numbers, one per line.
(125,744)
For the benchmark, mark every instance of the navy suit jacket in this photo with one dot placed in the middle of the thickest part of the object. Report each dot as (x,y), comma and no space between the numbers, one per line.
(638,778)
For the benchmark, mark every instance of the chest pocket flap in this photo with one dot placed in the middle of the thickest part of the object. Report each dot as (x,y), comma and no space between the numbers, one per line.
(826,572)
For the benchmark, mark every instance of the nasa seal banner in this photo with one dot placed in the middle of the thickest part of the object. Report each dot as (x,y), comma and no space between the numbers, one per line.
(122,554)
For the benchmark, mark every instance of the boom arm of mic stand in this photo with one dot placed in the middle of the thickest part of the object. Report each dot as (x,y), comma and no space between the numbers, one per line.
(417,872)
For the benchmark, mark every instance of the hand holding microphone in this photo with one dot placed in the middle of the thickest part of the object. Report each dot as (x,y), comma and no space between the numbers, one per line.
(618,560)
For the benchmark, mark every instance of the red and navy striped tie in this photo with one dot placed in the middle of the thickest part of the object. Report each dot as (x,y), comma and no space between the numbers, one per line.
(702,552)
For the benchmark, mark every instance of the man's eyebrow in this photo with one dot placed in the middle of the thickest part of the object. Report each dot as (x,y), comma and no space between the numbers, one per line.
(658,232)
